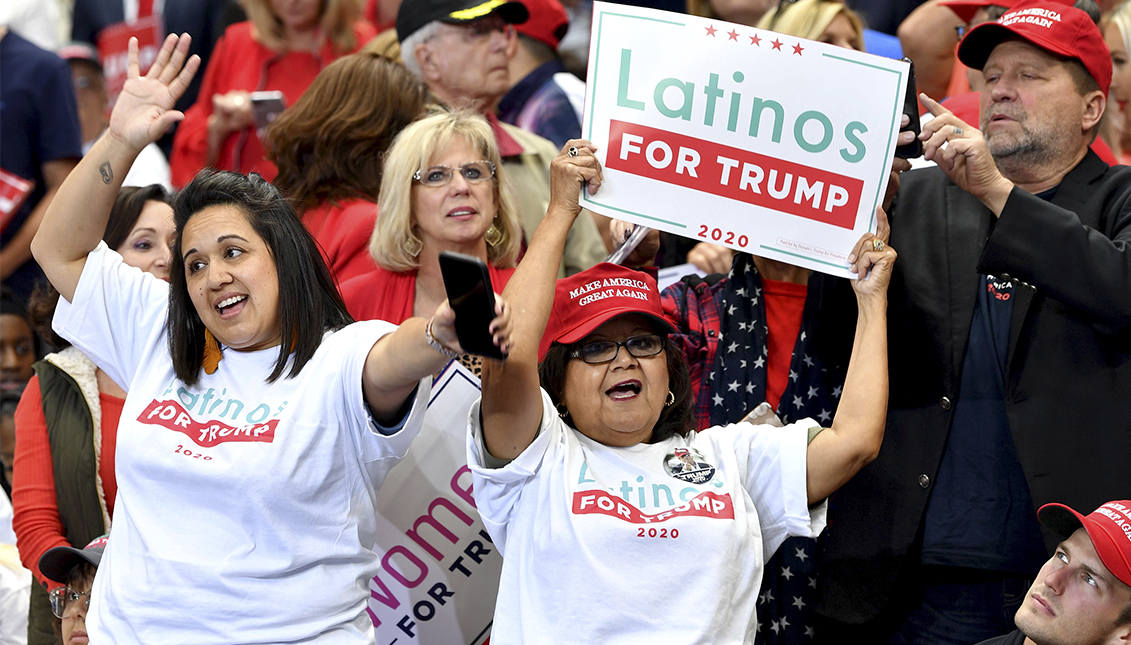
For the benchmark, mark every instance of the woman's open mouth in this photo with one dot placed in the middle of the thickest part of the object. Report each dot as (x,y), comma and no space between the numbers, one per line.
(624,391)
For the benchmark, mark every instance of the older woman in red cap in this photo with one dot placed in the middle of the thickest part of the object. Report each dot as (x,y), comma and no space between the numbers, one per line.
(616,520)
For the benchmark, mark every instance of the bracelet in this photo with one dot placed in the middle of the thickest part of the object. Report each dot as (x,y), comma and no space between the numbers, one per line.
(436,344)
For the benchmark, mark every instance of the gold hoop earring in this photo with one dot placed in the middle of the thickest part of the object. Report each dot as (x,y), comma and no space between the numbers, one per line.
(493,236)
(670,400)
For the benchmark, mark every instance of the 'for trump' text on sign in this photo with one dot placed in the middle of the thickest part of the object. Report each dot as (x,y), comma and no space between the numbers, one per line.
(766,143)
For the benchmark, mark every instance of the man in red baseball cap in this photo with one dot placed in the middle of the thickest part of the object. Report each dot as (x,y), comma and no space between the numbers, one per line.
(1082,596)
(1009,321)
(544,98)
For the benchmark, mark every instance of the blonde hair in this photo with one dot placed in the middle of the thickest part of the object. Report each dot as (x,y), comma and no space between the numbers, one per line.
(336,23)
(1121,18)
(810,18)
(412,150)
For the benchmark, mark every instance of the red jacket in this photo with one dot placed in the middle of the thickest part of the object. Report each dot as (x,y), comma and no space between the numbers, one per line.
(342,231)
(385,295)
(239,62)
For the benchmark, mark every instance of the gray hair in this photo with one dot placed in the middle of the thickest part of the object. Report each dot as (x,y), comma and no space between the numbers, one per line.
(418,37)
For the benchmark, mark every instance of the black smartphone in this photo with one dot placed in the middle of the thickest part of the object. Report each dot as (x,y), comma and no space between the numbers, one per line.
(911,109)
(470,295)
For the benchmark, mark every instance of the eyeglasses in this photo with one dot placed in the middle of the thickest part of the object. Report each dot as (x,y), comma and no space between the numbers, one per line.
(604,351)
(472,172)
(64,597)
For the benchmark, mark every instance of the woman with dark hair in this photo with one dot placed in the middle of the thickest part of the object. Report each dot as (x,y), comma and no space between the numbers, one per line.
(68,417)
(281,48)
(330,148)
(259,421)
(597,490)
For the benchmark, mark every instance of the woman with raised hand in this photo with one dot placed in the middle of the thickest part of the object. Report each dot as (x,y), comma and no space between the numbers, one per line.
(259,420)
(616,520)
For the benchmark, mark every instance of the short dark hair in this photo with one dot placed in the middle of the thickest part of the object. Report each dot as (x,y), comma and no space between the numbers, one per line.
(309,303)
(330,145)
(129,203)
(674,419)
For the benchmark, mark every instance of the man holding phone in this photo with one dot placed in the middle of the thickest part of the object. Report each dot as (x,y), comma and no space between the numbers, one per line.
(1010,345)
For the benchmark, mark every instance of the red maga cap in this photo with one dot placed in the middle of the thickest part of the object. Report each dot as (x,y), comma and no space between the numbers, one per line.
(1064,31)
(1109,527)
(967,8)
(585,301)
(548,22)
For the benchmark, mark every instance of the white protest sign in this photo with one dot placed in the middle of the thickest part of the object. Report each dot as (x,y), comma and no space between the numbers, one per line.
(763,142)
(439,570)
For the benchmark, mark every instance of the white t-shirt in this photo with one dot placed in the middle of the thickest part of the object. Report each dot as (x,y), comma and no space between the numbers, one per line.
(622,545)
(245,510)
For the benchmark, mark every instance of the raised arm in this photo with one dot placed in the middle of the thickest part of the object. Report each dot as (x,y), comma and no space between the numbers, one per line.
(854,439)
(76,219)
(512,405)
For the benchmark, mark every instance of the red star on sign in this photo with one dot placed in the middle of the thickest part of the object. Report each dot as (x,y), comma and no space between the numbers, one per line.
(797,49)
(755,40)
(733,35)
(777,44)
(711,31)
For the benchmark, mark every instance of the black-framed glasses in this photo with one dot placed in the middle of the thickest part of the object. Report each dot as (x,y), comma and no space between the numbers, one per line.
(473,172)
(64,597)
(604,351)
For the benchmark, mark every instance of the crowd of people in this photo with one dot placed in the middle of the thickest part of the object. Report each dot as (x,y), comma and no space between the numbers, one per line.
(223,308)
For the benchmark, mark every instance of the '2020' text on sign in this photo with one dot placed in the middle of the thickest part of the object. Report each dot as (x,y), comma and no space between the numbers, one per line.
(766,143)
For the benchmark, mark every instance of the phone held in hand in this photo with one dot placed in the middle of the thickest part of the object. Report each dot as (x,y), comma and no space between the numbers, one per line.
(266,106)
(471,297)
(914,149)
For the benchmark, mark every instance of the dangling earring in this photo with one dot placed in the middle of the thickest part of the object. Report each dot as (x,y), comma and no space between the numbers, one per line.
(413,245)
(670,401)
(493,236)
(212,353)
(563,411)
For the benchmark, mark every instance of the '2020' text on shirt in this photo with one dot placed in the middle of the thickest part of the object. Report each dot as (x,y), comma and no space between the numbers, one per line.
(658,543)
(245,510)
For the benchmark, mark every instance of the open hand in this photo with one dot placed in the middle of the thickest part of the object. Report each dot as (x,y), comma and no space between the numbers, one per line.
(144,109)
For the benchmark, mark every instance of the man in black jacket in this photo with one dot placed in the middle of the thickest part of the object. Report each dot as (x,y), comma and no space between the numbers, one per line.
(1010,345)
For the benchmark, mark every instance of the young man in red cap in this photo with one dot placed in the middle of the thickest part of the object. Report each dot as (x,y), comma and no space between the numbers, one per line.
(1082,596)
(544,98)
(1010,332)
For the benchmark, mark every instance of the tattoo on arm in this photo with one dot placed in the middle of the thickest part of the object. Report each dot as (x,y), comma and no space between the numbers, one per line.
(107,172)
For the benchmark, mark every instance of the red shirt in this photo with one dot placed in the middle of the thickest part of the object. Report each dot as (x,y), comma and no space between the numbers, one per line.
(342,232)
(785,302)
(36,522)
(239,62)
(384,295)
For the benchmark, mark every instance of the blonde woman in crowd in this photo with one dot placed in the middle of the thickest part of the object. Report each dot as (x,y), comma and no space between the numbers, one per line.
(282,47)
(1117,34)
(443,190)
